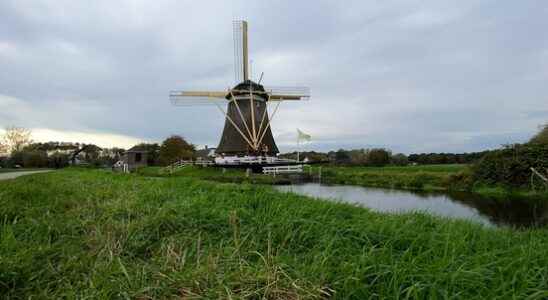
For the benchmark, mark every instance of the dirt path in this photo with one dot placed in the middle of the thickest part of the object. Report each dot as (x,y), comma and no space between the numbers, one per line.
(11,175)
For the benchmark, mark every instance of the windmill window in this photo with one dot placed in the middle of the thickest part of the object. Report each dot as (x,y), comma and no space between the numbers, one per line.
(138,157)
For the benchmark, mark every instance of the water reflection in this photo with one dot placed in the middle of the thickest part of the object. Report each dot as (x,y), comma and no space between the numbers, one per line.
(515,212)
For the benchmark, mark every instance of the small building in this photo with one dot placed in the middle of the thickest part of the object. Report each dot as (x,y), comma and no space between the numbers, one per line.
(135,157)
(205,154)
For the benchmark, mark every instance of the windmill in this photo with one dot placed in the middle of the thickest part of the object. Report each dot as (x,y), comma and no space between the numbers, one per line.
(247,132)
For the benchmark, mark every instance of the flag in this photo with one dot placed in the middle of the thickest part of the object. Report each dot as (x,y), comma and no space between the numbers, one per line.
(301,136)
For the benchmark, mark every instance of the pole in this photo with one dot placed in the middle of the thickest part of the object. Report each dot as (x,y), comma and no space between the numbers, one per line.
(298,148)
(244,49)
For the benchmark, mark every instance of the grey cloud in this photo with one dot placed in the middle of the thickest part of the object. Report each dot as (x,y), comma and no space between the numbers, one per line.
(413,76)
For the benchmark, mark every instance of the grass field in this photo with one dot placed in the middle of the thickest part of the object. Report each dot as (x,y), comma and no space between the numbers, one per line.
(93,234)
(421,177)
(427,177)
(214,174)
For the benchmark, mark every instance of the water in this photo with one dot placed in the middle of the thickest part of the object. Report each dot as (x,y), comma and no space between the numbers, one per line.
(515,212)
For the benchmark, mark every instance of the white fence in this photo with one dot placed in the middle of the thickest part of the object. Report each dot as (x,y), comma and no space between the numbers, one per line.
(275,170)
(246,160)
(182,163)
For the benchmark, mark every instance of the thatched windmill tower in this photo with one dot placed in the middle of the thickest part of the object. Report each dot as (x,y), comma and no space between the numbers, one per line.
(247,130)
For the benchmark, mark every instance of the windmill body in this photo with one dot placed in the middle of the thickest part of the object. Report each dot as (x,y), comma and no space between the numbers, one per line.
(247,136)
(232,143)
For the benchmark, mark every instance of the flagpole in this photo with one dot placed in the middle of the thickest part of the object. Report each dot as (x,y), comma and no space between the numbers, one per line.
(298,148)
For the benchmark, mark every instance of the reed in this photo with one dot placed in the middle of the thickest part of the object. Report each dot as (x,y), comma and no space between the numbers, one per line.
(94,234)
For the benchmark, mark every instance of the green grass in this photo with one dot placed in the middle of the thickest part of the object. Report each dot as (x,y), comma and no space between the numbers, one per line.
(92,234)
(427,177)
(423,177)
(214,174)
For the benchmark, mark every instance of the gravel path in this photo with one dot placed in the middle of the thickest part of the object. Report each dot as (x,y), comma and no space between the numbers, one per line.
(11,175)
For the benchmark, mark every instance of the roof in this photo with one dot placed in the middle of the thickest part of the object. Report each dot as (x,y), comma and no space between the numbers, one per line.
(206,152)
(244,87)
(137,148)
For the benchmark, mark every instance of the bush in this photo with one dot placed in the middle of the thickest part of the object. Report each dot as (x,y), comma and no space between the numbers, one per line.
(400,159)
(378,157)
(35,159)
(541,137)
(58,160)
(175,148)
(511,165)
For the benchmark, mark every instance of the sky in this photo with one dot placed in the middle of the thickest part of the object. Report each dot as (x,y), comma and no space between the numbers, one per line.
(411,76)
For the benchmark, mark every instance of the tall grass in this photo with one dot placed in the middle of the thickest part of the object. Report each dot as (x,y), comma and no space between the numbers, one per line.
(92,234)
(427,177)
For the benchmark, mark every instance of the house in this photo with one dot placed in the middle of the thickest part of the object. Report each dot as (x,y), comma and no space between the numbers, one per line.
(135,157)
(205,154)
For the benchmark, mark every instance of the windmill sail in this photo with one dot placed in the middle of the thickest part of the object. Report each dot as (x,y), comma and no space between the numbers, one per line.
(241,60)
(280,93)
(197,98)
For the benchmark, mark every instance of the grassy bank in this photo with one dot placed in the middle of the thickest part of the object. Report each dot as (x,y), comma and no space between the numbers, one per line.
(424,177)
(85,233)
(214,174)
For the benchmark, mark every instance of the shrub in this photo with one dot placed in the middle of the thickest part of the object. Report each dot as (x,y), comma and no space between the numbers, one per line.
(541,137)
(175,148)
(511,164)
(378,157)
(400,159)
(35,159)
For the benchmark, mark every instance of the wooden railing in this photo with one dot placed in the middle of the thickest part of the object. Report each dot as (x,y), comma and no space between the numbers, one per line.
(183,163)
(543,177)
(275,170)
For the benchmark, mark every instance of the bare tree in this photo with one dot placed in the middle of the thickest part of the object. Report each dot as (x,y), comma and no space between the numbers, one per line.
(16,138)
(3,148)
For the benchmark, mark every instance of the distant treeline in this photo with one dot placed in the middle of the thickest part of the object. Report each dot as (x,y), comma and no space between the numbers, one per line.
(381,157)
(59,155)
(446,158)
(62,154)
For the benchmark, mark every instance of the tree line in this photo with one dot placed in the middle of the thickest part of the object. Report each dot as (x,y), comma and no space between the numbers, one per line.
(382,157)
(18,150)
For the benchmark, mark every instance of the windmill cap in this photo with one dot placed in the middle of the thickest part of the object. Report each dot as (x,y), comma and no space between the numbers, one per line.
(246,86)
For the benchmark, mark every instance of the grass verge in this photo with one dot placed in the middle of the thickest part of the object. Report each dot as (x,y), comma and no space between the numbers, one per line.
(428,177)
(93,234)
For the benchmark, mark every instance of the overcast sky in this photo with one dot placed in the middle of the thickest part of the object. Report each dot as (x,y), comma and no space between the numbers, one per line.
(412,76)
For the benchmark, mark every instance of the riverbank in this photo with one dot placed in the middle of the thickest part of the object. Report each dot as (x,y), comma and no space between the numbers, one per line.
(418,178)
(94,234)
(421,177)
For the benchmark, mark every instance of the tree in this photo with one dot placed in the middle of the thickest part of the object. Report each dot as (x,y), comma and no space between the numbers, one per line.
(358,157)
(16,138)
(35,159)
(3,149)
(541,137)
(378,157)
(342,157)
(400,159)
(175,148)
